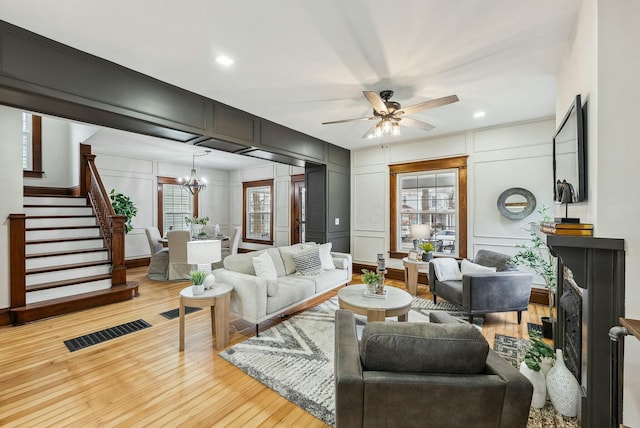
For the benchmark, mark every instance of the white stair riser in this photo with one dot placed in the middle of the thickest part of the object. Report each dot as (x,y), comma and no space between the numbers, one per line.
(67,274)
(53,200)
(64,246)
(39,211)
(69,259)
(60,222)
(70,290)
(38,235)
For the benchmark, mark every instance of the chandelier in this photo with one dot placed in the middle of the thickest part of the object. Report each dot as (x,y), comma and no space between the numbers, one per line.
(194,184)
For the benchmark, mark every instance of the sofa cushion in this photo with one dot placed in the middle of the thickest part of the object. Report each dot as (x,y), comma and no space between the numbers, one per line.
(287,254)
(446,269)
(308,261)
(264,267)
(325,256)
(291,290)
(329,279)
(442,348)
(277,261)
(501,262)
(467,267)
(242,263)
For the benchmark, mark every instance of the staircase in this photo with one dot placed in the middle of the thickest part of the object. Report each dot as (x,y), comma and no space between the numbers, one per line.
(64,251)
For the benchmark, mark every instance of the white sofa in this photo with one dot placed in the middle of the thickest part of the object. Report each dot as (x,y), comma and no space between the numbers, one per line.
(256,298)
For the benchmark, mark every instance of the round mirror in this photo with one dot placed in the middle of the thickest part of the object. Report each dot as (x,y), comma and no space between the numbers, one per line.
(516,203)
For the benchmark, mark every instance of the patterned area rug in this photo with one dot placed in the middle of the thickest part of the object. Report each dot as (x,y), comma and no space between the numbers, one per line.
(302,347)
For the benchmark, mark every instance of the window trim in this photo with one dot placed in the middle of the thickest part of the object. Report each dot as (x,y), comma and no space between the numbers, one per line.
(170,180)
(459,163)
(36,149)
(259,183)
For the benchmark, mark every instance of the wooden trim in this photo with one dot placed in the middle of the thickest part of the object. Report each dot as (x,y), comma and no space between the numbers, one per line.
(459,162)
(85,150)
(36,149)
(295,235)
(161,181)
(140,262)
(5,317)
(45,191)
(17,260)
(245,186)
(539,296)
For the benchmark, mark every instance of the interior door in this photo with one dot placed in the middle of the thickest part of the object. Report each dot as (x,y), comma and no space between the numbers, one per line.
(297,209)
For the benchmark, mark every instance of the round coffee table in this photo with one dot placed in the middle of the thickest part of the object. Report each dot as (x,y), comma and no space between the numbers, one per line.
(218,298)
(397,303)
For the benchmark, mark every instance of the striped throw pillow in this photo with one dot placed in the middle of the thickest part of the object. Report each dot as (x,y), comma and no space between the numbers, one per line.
(308,261)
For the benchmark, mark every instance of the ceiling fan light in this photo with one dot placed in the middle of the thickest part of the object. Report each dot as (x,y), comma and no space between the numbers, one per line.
(395,129)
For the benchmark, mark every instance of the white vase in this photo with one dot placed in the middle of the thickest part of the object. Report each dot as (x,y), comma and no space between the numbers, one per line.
(539,396)
(198,289)
(564,390)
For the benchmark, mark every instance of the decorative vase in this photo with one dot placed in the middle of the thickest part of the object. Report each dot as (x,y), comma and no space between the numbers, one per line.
(371,287)
(539,397)
(195,230)
(547,327)
(198,289)
(564,390)
(209,281)
(427,256)
(380,286)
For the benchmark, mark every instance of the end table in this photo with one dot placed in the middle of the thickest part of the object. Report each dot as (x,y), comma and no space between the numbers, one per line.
(219,299)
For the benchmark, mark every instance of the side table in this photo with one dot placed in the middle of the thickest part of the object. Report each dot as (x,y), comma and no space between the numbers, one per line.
(411,273)
(219,299)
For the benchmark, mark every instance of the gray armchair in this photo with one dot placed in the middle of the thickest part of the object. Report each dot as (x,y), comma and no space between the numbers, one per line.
(505,290)
(424,374)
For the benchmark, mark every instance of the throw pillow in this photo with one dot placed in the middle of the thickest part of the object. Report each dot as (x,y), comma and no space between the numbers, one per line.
(308,261)
(287,254)
(325,256)
(446,269)
(467,267)
(264,267)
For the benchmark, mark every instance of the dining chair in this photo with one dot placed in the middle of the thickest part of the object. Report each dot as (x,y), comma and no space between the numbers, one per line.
(159,263)
(178,266)
(234,243)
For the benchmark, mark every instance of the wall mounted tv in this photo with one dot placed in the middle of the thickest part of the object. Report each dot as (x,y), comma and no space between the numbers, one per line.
(570,155)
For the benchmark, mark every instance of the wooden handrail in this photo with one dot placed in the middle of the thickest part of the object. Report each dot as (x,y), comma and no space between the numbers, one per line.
(111,224)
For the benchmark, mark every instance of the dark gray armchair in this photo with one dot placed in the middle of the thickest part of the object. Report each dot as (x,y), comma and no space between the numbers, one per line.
(424,375)
(505,290)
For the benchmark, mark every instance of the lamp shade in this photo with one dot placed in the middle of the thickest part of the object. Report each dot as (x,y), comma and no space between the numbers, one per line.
(420,231)
(204,252)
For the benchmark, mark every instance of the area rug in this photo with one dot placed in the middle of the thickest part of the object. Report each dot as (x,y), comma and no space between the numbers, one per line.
(302,347)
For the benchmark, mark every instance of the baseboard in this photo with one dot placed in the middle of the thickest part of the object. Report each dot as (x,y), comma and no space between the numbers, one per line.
(539,296)
(5,317)
(133,263)
(41,190)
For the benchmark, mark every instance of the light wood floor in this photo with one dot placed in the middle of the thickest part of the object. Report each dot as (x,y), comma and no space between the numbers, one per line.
(141,379)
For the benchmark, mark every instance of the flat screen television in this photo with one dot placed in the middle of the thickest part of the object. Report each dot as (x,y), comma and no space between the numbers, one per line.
(570,156)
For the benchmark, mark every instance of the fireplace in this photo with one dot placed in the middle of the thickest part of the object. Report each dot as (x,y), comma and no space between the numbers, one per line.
(591,301)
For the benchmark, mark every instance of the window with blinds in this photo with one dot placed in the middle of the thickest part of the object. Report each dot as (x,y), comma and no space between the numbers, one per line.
(176,206)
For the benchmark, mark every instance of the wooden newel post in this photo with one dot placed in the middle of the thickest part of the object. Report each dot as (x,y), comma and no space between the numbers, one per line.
(17,263)
(119,270)
(85,173)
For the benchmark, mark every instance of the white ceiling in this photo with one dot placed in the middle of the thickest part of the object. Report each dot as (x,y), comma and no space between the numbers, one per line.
(303,62)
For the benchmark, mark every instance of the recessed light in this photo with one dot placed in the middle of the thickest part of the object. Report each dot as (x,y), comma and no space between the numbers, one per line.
(224,60)
(479,114)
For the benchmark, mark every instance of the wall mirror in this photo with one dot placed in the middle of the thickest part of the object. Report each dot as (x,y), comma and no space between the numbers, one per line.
(516,203)
(569,154)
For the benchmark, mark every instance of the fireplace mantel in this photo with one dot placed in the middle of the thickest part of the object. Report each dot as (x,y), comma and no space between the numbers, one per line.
(598,269)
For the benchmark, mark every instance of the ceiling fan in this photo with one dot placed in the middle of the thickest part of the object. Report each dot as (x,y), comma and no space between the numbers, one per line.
(390,114)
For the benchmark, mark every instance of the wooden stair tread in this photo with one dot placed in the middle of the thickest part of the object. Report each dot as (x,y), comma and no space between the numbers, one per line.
(66,253)
(67,267)
(66,282)
(50,241)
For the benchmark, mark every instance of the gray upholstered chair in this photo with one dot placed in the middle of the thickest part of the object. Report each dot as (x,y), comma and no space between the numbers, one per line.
(424,374)
(159,263)
(505,290)
(178,266)
(234,243)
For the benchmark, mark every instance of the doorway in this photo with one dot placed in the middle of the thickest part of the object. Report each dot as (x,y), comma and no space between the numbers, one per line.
(298,196)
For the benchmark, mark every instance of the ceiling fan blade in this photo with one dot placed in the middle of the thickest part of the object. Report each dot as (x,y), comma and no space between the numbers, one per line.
(438,102)
(376,102)
(412,123)
(371,132)
(349,120)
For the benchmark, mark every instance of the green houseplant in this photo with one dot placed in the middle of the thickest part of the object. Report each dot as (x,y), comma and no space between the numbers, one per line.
(123,205)
(371,279)
(427,248)
(197,276)
(535,255)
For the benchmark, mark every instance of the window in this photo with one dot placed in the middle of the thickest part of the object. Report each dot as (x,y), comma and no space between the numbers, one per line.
(174,204)
(31,145)
(257,208)
(433,193)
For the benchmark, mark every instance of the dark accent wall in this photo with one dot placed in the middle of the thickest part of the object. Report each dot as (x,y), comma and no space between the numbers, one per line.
(41,75)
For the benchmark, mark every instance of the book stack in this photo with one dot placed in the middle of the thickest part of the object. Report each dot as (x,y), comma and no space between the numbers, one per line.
(579,229)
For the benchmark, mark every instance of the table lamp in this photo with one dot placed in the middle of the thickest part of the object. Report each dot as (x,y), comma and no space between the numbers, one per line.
(419,232)
(202,254)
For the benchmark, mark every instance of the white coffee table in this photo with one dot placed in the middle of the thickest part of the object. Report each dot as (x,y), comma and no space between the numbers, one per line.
(396,304)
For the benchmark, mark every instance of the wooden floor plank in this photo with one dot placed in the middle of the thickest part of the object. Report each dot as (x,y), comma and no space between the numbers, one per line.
(141,379)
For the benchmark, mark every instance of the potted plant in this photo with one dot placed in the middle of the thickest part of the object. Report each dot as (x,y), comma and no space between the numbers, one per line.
(197,276)
(123,205)
(371,279)
(535,255)
(537,362)
(197,223)
(427,248)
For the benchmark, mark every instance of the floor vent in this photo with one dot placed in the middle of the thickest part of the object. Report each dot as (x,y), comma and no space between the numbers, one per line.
(175,313)
(106,334)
